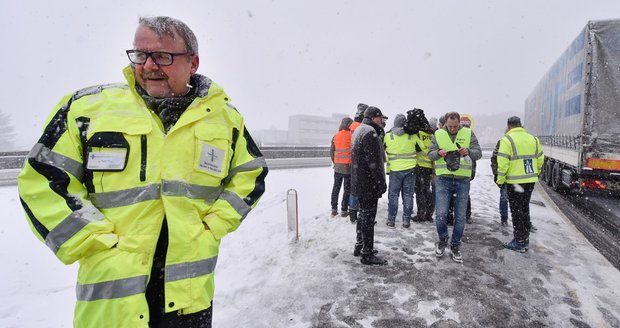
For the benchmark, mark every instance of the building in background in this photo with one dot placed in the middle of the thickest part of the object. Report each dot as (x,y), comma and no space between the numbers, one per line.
(303,130)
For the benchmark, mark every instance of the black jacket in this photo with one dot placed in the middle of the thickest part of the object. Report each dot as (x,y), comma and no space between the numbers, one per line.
(367,171)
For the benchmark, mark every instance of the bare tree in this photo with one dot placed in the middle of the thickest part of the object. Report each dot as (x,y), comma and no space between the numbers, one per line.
(6,132)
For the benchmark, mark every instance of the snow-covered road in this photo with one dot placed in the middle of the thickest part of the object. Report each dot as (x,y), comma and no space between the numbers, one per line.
(265,280)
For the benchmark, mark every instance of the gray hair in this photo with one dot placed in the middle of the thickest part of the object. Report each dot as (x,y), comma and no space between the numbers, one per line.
(164,25)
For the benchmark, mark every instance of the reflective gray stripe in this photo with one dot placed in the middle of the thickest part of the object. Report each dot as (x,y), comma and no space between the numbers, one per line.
(503,155)
(501,174)
(111,289)
(513,145)
(343,156)
(186,270)
(344,150)
(184,189)
(524,157)
(515,155)
(519,177)
(403,154)
(42,154)
(249,166)
(424,160)
(236,202)
(71,225)
(125,197)
(461,166)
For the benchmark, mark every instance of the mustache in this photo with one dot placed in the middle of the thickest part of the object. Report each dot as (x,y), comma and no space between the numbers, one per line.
(154,75)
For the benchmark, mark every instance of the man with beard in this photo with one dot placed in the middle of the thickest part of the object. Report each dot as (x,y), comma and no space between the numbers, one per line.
(368,181)
(452,149)
(139,182)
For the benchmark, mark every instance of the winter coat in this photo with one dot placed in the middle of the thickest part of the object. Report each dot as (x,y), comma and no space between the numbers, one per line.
(99,182)
(367,172)
(494,161)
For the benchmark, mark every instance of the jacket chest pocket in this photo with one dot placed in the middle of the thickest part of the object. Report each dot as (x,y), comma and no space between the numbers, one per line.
(117,144)
(213,149)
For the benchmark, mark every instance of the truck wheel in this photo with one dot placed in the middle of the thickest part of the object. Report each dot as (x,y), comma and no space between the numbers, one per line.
(548,173)
(556,178)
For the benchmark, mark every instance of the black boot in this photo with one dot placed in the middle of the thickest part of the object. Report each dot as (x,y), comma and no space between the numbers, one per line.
(353,216)
(372,259)
(357,251)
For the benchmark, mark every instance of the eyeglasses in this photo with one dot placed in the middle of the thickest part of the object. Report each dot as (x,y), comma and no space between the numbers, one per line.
(159,57)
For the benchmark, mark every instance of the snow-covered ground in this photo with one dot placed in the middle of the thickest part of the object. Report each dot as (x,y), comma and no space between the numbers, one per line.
(263,279)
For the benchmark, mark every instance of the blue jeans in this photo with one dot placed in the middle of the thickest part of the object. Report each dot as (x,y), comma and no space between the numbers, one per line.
(503,203)
(354,203)
(445,188)
(401,182)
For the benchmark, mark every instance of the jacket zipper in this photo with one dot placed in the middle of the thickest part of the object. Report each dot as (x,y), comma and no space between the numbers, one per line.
(143,158)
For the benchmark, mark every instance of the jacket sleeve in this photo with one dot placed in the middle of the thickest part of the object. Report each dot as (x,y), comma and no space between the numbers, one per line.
(332,149)
(475,152)
(503,160)
(242,188)
(494,161)
(540,157)
(433,151)
(374,157)
(53,196)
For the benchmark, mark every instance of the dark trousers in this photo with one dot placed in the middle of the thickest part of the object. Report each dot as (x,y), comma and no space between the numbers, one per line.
(155,296)
(366,224)
(339,179)
(423,194)
(519,202)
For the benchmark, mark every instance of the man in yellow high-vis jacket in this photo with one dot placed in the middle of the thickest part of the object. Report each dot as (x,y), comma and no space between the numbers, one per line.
(139,182)
(453,148)
(401,161)
(519,163)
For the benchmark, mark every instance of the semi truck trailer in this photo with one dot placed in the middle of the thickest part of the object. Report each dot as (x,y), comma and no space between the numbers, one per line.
(575,112)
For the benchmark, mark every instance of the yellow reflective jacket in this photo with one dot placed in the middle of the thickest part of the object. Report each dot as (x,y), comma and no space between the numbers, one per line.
(424,144)
(463,139)
(400,150)
(519,158)
(98,183)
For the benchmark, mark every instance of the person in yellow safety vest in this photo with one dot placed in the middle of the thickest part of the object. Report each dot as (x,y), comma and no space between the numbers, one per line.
(401,161)
(139,182)
(519,163)
(452,150)
(340,153)
(357,121)
(424,175)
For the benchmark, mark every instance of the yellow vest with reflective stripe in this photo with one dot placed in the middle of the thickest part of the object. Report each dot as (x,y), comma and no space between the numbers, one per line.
(101,179)
(400,150)
(463,138)
(519,158)
(425,144)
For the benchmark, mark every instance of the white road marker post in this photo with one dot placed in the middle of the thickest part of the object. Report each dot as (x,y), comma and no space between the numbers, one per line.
(292,213)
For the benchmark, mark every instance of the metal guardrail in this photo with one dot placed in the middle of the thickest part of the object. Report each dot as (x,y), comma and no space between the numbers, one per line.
(276,157)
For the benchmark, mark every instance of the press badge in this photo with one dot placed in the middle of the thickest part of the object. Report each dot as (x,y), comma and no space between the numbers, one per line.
(107,159)
(211,159)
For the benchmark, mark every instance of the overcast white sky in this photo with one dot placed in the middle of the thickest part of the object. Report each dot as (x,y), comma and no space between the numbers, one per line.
(278,58)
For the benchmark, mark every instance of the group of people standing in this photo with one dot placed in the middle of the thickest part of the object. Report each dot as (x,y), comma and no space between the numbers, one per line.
(436,162)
